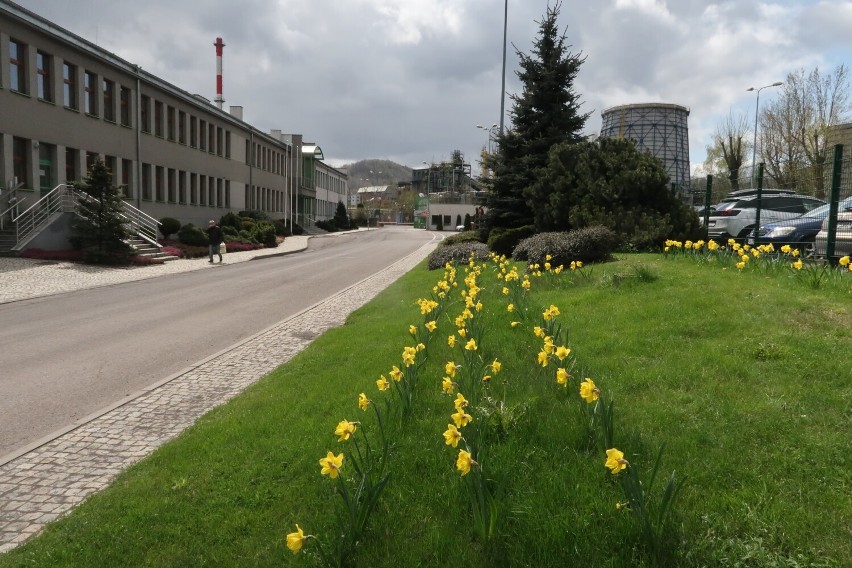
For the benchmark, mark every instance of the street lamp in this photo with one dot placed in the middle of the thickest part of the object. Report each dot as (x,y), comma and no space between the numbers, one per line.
(756,107)
(428,197)
(490,130)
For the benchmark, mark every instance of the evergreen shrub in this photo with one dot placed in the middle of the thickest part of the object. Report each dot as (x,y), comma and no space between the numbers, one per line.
(264,232)
(463,237)
(457,253)
(503,241)
(590,244)
(231,220)
(281,228)
(189,234)
(169,226)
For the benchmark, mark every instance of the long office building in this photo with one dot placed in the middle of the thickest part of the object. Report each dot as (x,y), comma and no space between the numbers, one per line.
(65,102)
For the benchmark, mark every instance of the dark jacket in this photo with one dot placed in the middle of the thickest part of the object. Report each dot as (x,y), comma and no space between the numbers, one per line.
(214,235)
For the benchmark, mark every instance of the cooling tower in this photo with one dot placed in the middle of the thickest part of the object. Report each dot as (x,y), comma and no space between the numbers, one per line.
(659,128)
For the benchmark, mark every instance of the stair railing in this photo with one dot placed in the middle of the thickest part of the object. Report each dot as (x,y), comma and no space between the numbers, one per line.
(13,207)
(136,221)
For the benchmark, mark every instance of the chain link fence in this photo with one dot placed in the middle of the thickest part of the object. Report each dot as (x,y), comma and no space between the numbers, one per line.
(788,204)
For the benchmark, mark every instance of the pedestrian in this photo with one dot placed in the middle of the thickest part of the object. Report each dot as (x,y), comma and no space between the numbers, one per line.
(215,238)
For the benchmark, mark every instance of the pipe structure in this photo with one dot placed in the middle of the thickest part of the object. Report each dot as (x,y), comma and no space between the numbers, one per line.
(219,48)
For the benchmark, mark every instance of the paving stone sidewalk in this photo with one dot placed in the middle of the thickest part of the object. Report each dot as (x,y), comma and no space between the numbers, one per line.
(48,481)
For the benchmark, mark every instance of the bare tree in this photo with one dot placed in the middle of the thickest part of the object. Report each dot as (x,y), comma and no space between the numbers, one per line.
(731,145)
(795,126)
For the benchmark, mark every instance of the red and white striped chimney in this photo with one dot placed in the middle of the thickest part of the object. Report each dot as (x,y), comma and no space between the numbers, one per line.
(219,45)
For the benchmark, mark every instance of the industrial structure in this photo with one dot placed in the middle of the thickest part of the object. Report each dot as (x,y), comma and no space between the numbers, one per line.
(66,102)
(659,128)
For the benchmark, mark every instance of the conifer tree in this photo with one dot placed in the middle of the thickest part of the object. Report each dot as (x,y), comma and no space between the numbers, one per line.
(341,217)
(99,227)
(545,113)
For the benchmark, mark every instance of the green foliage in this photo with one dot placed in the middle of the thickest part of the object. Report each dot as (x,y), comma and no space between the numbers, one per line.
(610,183)
(256,215)
(503,241)
(457,253)
(169,226)
(189,234)
(545,113)
(264,232)
(463,237)
(232,220)
(98,228)
(341,217)
(282,228)
(327,225)
(230,232)
(467,221)
(592,244)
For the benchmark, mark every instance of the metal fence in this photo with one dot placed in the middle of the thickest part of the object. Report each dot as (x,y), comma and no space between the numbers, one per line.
(804,207)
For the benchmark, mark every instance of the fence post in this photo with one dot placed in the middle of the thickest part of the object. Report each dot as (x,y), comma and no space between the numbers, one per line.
(834,203)
(707,195)
(759,201)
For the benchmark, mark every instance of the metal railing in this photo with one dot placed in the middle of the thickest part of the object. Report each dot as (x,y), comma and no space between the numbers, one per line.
(64,199)
(13,206)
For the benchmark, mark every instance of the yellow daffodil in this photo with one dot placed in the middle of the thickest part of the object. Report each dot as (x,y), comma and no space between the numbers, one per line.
(526,284)
(562,352)
(548,257)
(786,249)
(505,291)
(452,435)
(470,345)
(741,265)
(515,323)
(451,341)
(396,374)
(331,465)
(408,355)
(798,264)
(486,378)
(562,376)
(382,384)
(295,540)
(588,391)
(345,429)
(450,369)
(460,402)
(462,332)
(420,347)
(464,462)
(844,261)
(461,418)
(548,345)
(539,332)
(511,308)
(496,366)
(447,385)
(615,460)
(543,358)
(795,253)
(431,325)
(412,329)
(363,401)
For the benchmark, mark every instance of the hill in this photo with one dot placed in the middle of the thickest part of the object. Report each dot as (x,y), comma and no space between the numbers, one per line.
(376,172)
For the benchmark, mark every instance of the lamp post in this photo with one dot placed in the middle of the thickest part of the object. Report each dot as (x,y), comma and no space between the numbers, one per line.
(490,130)
(428,197)
(756,107)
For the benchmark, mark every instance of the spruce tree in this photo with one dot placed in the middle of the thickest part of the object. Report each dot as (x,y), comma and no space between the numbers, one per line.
(341,217)
(99,227)
(547,112)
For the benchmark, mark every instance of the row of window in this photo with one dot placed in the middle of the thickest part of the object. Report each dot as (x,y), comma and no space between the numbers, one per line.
(181,187)
(330,182)
(264,199)
(266,159)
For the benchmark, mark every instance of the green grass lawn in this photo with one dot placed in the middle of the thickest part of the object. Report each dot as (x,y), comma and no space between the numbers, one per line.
(744,375)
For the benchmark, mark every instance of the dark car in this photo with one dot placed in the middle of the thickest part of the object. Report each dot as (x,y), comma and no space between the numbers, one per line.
(799,232)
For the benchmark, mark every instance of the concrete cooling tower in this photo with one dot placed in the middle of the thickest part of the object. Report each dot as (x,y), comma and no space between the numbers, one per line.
(659,128)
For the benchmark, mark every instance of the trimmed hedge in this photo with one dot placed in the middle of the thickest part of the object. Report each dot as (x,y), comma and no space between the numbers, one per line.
(503,241)
(189,234)
(464,237)
(458,253)
(169,226)
(591,244)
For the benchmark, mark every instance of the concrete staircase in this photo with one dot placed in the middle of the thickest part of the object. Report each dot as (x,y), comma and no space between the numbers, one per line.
(144,248)
(8,238)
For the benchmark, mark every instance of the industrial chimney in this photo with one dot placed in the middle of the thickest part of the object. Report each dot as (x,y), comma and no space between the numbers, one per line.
(219,45)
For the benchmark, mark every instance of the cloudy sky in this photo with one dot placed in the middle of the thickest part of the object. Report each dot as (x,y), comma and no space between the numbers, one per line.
(409,80)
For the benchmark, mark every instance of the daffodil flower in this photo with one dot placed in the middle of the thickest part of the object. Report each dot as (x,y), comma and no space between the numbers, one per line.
(471,345)
(331,464)
(515,323)
(345,429)
(562,352)
(615,460)
(461,418)
(412,330)
(588,391)
(543,358)
(460,402)
(295,540)
(451,341)
(496,366)
(431,325)
(382,384)
(452,435)
(464,462)
(447,385)
(363,401)
(562,376)
(450,369)
(396,374)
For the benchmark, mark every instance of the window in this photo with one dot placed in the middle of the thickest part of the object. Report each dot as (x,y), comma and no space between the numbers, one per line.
(202,192)
(182,127)
(203,136)
(44,85)
(127,178)
(170,123)
(212,142)
(72,159)
(228,144)
(158,118)
(125,107)
(69,89)
(145,113)
(90,93)
(109,100)
(219,188)
(21,160)
(146,182)
(91,158)
(227,193)
(193,189)
(171,182)
(111,163)
(220,144)
(17,66)
(181,186)
(159,182)
(193,132)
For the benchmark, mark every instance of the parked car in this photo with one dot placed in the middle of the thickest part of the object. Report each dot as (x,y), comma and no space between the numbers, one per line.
(843,242)
(736,216)
(799,232)
(700,210)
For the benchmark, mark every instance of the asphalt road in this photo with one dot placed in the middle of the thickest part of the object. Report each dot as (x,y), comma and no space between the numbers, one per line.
(66,356)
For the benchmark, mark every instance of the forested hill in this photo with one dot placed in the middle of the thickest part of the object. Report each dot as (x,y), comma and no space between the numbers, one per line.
(384,172)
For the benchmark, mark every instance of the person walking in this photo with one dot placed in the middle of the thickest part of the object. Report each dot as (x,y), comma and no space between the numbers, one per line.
(215,238)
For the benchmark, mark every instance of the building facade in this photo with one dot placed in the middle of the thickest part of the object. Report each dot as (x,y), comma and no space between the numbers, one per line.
(67,102)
